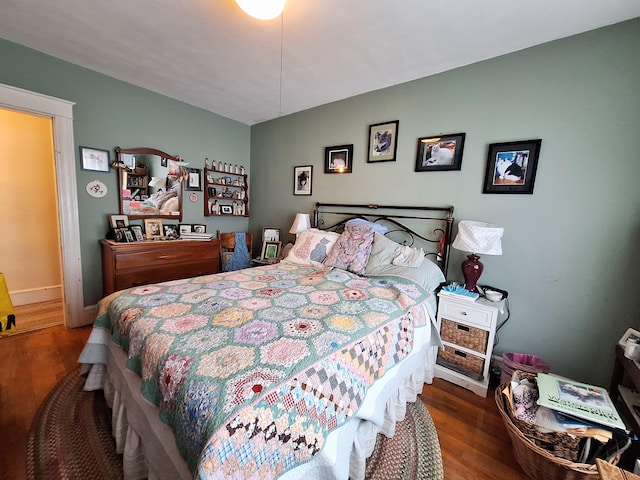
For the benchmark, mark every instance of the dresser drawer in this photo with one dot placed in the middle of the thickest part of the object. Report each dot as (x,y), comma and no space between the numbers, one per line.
(164,256)
(464,335)
(135,278)
(465,313)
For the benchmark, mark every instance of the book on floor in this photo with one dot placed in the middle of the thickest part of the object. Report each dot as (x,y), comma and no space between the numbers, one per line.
(580,400)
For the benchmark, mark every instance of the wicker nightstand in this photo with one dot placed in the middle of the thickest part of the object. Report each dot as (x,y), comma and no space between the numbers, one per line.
(467,329)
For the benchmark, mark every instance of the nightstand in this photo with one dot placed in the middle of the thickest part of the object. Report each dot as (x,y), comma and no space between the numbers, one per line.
(468,330)
(259,262)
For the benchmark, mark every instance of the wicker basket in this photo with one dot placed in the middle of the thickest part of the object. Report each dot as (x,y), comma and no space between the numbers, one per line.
(537,462)
(462,360)
(559,444)
(459,334)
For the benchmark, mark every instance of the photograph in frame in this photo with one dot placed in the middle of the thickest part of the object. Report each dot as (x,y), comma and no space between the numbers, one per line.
(138,234)
(270,250)
(440,152)
(383,142)
(199,228)
(193,179)
(338,159)
(171,230)
(511,167)
(302,178)
(629,334)
(185,228)
(271,234)
(153,228)
(94,159)
(118,221)
(226,210)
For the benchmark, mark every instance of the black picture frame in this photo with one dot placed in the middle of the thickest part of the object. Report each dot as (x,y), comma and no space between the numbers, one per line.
(193,181)
(138,233)
(512,166)
(171,230)
(440,152)
(338,159)
(226,210)
(383,142)
(94,159)
(302,180)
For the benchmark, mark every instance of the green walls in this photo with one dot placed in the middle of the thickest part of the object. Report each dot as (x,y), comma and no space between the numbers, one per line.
(110,113)
(569,250)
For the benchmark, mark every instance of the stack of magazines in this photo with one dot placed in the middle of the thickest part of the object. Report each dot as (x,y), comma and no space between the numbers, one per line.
(581,410)
(196,236)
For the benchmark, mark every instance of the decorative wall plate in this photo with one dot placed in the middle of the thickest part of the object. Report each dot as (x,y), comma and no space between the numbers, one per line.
(96,189)
(193,197)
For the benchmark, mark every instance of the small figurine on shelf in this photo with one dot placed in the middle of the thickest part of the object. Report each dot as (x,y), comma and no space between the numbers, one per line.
(241,169)
(220,167)
(207,163)
(215,208)
(226,167)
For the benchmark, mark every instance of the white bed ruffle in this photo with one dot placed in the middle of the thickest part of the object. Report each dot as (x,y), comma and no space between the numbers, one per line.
(343,455)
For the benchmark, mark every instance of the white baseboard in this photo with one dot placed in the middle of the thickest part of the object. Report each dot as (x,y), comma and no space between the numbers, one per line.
(36,295)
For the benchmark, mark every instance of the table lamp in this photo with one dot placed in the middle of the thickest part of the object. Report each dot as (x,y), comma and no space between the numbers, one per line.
(477,237)
(301,223)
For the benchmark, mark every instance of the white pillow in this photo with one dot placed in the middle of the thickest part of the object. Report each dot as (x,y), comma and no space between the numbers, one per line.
(312,247)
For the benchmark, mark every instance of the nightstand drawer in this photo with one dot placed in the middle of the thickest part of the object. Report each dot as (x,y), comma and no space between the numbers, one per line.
(464,335)
(461,361)
(466,314)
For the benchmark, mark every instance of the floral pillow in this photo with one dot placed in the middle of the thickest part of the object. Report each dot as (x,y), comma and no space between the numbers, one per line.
(351,251)
(312,247)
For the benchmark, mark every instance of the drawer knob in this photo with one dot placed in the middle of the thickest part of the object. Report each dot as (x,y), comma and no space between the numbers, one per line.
(464,313)
(464,328)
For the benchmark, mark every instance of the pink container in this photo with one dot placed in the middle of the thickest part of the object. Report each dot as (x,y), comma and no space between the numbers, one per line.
(512,361)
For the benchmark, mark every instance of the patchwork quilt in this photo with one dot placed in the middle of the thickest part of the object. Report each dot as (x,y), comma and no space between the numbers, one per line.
(252,369)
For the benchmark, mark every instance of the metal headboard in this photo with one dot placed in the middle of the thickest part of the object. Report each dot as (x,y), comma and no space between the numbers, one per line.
(429,228)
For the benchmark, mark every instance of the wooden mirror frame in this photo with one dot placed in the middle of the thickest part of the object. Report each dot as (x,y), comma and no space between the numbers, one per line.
(123,171)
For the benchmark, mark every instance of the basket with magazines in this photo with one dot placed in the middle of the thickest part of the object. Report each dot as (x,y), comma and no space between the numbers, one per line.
(542,453)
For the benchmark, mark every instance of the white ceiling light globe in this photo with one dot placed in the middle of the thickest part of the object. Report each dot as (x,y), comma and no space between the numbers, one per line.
(262,9)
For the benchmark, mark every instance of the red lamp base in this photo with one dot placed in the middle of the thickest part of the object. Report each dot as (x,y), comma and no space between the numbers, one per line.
(472,268)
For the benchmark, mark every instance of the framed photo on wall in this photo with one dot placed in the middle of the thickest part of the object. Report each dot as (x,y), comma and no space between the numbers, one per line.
(302,180)
(193,179)
(383,141)
(94,159)
(511,167)
(440,152)
(338,159)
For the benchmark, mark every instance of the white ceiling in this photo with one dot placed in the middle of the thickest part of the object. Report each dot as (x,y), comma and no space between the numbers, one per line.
(208,53)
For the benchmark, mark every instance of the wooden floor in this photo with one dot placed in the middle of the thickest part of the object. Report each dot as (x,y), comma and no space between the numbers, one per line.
(474,442)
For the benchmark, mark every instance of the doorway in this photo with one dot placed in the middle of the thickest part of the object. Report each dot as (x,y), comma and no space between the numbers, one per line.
(61,115)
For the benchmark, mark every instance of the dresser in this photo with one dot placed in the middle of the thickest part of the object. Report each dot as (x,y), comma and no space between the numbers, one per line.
(127,265)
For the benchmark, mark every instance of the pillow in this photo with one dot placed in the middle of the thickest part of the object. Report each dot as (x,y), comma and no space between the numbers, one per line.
(408,257)
(311,247)
(428,274)
(352,249)
(361,221)
(382,252)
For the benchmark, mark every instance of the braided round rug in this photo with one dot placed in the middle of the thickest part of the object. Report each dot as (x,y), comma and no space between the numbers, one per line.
(70,439)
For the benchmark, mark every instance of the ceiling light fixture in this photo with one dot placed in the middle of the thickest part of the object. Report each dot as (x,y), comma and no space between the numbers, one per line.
(262,9)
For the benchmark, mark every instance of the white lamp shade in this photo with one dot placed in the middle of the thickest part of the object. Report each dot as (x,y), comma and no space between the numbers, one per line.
(479,237)
(301,223)
(262,9)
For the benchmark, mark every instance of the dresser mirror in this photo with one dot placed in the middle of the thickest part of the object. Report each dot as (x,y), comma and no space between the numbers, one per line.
(149,183)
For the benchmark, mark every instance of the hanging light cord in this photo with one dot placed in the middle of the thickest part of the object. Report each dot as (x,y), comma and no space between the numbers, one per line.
(281,56)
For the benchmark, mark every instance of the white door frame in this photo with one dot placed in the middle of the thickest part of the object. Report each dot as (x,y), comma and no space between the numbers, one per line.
(61,112)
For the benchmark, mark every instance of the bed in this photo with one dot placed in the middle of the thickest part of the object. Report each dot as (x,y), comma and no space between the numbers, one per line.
(282,371)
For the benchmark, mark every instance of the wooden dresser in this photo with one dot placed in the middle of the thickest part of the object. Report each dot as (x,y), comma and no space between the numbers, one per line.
(127,265)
